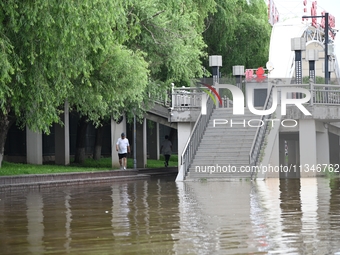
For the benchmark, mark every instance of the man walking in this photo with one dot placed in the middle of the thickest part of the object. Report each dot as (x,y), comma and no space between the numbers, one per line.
(123,148)
(166,149)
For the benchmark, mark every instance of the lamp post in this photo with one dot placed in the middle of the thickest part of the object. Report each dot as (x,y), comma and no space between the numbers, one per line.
(298,45)
(326,42)
(238,72)
(215,62)
(311,57)
(134,141)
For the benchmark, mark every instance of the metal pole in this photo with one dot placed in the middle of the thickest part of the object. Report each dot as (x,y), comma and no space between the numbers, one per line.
(134,143)
(326,48)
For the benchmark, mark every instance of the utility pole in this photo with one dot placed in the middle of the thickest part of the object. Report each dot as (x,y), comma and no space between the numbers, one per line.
(326,42)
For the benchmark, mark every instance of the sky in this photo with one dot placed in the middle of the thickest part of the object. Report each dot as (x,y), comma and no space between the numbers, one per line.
(294,8)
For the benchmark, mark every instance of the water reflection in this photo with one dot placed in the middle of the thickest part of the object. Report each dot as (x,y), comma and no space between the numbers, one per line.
(159,216)
(35,226)
(68,214)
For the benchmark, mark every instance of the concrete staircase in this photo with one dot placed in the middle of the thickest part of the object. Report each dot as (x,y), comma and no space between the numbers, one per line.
(224,149)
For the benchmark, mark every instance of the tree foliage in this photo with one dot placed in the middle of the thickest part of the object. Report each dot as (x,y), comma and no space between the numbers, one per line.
(240,32)
(171,35)
(106,57)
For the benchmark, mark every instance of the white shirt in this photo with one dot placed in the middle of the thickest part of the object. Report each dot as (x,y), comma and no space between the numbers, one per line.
(122,145)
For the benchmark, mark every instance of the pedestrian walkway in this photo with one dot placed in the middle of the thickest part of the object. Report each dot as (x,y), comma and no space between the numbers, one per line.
(80,178)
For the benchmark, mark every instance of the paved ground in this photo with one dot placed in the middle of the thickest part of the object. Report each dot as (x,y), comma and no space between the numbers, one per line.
(60,179)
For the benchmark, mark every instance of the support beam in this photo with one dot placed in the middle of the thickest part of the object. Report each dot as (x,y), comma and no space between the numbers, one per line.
(153,141)
(334,145)
(275,156)
(34,147)
(62,139)
(183,130)
(116,129)
(323,154)
(308,154)
(141,144)
(282,151)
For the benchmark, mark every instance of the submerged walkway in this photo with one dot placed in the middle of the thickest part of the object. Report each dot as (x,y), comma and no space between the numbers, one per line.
(80,178)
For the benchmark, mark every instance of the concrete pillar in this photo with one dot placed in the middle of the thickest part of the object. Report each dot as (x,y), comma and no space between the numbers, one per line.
(308,155)
(141,144)
(334,148)
(183,131)
(158,141)
(282,151)
(322,150)
(275,157)
(293,159)
(62,139)
(292,152)
(116,130)
(153,141)
(34,147)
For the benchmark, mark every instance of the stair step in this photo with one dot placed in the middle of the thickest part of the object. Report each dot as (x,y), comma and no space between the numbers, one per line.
(223,146)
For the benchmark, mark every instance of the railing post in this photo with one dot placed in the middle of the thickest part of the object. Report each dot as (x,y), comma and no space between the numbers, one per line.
(311,102)
(172,96)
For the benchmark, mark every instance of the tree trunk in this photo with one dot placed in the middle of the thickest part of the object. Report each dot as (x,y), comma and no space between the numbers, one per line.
(5,124)
(98,143)
(81,141)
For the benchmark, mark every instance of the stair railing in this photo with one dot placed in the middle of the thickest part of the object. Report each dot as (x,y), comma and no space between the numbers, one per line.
(195,137)
(260,133)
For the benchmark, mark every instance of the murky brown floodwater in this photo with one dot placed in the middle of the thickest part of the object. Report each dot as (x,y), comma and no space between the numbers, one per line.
(163,217)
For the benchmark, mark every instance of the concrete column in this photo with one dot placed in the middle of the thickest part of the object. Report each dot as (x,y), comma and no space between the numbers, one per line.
(334,148)
(141,144)
(275,157)
(292,152)
(183,131)
(293,158)
(158,141)
(62,139)
(153,141)
(34,147)
(116,130)
(308,155)
(322,150)
(282,151)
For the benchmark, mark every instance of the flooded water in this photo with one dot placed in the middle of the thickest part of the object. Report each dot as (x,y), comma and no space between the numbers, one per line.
(160,216)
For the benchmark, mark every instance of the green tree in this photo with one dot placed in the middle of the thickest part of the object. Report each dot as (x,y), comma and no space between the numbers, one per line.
(47,53)
(240,32)
(167,34)
(171,36)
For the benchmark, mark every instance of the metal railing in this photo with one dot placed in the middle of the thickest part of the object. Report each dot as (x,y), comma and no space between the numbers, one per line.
(187,97)
(325,94)
(195,137)
(226,102)
(321,94)
(260,133)
(163,98)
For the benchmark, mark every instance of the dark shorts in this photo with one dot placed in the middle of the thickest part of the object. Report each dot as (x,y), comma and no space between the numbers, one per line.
(123,155)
